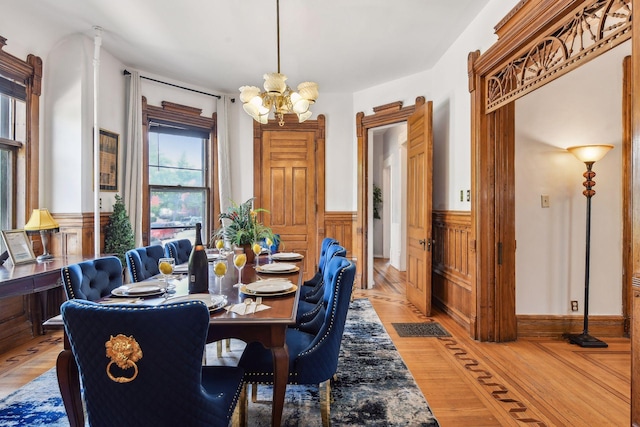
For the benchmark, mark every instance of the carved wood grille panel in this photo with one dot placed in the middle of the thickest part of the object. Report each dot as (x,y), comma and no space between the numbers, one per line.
(596,27)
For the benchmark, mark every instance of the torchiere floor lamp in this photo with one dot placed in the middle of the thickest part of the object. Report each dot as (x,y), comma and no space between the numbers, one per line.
(589,154)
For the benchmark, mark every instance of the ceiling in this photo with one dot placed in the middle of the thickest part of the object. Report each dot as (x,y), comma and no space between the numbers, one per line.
(220,45)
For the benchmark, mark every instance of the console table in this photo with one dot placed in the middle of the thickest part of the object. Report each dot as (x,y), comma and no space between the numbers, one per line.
(40,282)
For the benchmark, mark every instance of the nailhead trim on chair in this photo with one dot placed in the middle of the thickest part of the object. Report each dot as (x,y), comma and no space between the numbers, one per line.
(133,269)
(67,282)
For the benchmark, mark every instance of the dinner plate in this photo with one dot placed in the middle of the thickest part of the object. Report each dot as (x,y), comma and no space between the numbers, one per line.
(181,269)
(269,286)
(212,257)
(142,289)
(245,291)
(287,256)
(277,268)
(213,302)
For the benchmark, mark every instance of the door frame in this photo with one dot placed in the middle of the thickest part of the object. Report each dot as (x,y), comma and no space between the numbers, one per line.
(291,124)
(525,36)
(383,115)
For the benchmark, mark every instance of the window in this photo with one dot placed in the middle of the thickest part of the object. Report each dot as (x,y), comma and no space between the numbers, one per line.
(13,128)
(178,195)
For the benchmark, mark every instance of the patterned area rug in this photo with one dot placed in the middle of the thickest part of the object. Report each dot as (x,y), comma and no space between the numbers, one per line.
(373,387)
(425,329)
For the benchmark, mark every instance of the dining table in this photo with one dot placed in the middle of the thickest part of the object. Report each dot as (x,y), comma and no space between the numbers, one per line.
(266,326)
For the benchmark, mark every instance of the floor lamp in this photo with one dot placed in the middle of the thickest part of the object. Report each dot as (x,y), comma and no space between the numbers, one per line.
(589,154)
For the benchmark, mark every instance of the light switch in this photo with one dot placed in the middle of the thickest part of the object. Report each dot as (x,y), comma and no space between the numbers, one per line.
(544,201)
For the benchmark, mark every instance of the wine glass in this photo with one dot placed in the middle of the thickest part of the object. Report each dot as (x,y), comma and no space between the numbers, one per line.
(267,245)
(166,266)
(219,245)
(220,269)
(257,249)
(239,260)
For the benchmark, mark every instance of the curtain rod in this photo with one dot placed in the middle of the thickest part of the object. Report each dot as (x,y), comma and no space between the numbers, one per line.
(127,72)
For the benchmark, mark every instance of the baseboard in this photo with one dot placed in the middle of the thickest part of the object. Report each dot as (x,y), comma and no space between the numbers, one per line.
(535,325)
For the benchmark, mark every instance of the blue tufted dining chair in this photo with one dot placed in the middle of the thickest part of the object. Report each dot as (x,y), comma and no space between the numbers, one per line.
(317,277)
(141,365)
(93,279)
(143,262)
(313,356)
(180,250)
(313,294)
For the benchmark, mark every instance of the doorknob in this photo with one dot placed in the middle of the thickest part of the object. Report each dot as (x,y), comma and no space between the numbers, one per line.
(423,242)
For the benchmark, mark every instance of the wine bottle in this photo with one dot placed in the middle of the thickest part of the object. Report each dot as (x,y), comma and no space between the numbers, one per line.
(198,265)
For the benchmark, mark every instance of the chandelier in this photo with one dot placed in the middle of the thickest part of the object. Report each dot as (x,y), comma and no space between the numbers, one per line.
(277,95)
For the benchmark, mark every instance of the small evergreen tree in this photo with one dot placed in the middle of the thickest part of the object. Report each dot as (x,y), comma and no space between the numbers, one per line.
(118,234)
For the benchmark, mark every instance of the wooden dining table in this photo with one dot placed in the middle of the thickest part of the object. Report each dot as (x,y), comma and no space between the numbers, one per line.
(267,327)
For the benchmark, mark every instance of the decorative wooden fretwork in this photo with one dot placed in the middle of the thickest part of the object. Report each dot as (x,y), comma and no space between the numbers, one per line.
(592,29)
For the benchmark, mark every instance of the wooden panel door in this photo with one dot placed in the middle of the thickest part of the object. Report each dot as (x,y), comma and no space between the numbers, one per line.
(288,191)
(419,207)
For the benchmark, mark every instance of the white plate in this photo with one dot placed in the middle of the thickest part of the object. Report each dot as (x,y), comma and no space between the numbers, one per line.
(280,267)
(181,268)
(142,289)
(212,257)
(287,256)
(245,291)
(269,286)
(213,302)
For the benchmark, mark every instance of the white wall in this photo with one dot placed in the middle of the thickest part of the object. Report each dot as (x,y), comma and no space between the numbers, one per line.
(446,84)
(582,107)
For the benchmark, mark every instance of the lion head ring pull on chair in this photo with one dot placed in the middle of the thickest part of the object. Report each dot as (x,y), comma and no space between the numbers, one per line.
(313,357)
(142,365)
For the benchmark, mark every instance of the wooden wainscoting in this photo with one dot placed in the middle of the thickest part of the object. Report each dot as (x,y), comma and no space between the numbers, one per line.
(76,234)
(451,269)
(340,226)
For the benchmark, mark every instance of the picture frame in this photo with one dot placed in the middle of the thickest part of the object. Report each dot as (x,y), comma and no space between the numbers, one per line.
(109,155)
(18,246)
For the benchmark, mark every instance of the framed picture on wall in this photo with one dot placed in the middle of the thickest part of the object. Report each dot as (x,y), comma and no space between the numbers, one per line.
(18,246)
(109,142)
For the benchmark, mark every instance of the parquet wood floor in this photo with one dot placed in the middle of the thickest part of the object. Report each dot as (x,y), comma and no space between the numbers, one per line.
(530,382)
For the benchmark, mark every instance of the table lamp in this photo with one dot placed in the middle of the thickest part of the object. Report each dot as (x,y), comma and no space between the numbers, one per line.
(589,154)
(42,221)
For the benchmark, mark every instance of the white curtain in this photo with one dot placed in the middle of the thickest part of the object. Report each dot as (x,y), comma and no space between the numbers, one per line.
(132,191)
(224,165)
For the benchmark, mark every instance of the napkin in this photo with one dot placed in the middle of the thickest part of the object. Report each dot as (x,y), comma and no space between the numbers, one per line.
(243,308)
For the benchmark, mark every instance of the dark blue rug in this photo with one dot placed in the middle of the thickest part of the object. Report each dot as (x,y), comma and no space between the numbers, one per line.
(373,387)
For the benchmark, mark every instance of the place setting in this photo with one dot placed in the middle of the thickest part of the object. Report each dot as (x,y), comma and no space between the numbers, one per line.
(213,302)
(277,268)
(269,287)
(287,256)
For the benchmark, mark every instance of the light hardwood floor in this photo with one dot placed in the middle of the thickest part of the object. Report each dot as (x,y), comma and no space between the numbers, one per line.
(536,381)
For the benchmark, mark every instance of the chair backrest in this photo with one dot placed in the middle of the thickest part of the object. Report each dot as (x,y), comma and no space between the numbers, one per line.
(143,262)
(93,279)
(180,250)
(327,242)
(319,360)
(141,365)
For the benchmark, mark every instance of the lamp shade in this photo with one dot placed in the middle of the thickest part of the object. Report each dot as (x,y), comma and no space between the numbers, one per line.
(590,153)
(41,219)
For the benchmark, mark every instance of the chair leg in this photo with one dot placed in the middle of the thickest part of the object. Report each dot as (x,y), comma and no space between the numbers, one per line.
(239,418)
(219,345)
(325,402)
(254,392)
(228,344)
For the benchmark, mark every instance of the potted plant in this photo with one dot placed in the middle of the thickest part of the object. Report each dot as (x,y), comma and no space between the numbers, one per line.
(240,227)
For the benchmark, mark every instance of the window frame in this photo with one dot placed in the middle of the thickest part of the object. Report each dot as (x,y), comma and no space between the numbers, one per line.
(192,118)
(26,170)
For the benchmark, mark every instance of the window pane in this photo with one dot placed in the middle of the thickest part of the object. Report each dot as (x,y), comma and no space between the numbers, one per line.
(175,212)
(176,160)
(6,183)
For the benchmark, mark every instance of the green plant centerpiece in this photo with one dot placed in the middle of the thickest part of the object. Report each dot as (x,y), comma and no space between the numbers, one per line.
(118,234)
(240,226)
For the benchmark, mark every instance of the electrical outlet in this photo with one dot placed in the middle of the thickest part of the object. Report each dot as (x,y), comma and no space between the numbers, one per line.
(574,305)
(544,201)
(468,195)
(462,195)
